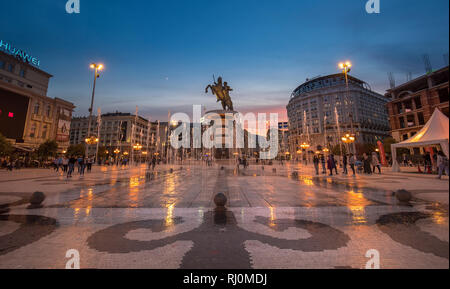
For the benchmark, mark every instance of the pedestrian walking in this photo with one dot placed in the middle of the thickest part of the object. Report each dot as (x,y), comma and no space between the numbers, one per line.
(316,161)
(344,162)
(71,165)
(375,163)
(352,162)
(366,164)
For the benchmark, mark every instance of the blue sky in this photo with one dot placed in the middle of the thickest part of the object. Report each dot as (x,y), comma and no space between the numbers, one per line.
(160,55)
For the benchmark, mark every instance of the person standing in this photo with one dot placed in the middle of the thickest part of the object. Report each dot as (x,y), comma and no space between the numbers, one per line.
(153,163)
(316,164)
(71,165)
(322,160)
(82,163)
(442,164)
(366,164)
(376,162)
(334,164)
(352,162)
(427,161)
(89,164)
(65,164)
(344,162)
(331,164)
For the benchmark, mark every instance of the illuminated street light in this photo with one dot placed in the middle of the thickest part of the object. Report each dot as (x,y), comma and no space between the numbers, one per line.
(305,146)
(97,68)
(346,68)
(348,138)
(117,151)
(91,140)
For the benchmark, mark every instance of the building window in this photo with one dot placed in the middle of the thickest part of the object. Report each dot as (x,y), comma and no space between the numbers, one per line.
(421,118)
(33,130)
(48,111)
(418,103)
(22,73)
(37,107)
(410,120)
(10,67)
(443,95)
(44,131)
(402,122)
(2,64)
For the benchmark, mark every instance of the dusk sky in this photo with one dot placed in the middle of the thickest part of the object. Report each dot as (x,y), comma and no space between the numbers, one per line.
(160,55)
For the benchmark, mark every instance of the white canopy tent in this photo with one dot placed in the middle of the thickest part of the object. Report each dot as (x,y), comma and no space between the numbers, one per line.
(435,132)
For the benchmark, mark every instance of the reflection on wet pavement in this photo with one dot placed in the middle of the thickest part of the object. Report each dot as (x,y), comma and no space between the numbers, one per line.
(324,222)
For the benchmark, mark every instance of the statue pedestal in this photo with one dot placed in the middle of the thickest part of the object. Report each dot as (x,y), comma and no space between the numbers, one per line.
(222,117)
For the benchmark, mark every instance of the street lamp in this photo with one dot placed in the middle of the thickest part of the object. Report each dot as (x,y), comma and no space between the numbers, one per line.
(348,139)
(346,67)
(305,146)
(97,68)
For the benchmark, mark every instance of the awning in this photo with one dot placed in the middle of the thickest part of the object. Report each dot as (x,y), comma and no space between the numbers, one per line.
(435,132)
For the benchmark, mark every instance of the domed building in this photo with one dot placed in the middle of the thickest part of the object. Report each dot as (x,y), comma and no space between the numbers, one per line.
(320,112)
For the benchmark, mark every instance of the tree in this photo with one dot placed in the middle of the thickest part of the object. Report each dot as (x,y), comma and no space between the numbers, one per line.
(5,146)
(47,149)
(336,150)
(76,150)
(102,153)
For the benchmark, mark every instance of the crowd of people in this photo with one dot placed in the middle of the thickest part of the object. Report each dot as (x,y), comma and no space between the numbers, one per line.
(68,164)
(365,164)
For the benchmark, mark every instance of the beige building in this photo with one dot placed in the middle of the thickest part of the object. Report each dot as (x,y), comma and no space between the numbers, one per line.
(28,117)
(119,131)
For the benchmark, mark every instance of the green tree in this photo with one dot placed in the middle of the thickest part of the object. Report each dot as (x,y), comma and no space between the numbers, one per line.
(47,149)
(5,146)
(336,150)
(102,153)
(76,150)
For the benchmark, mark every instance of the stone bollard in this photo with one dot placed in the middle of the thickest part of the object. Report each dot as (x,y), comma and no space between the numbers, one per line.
(220,200)
(36,200)
(403,196)
(274,170)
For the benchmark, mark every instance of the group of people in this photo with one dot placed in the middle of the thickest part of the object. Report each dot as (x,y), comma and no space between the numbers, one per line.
(67,165)
(367,164)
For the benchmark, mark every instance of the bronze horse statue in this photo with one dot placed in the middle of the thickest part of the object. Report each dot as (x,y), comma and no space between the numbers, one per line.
(222,91)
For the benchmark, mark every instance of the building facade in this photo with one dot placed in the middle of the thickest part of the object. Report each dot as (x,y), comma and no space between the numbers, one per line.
(413,103)
(119,133)
(320,111)
(28,117)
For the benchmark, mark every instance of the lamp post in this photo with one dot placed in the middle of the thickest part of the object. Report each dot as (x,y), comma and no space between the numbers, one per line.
(137,147)
(97,68)
(348,139)
(346,67)
(90,141)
